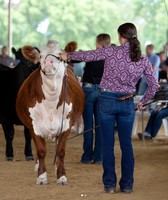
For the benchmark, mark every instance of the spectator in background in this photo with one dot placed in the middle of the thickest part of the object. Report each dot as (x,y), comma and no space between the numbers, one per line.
(93,72)
(155,61)
(5,59)
(162,57)
(162,66)
(78,69)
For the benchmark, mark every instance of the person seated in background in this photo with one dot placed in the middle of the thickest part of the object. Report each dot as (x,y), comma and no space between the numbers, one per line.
(154,122)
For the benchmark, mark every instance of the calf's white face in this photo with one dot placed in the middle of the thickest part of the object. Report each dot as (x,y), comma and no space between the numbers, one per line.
(50,60)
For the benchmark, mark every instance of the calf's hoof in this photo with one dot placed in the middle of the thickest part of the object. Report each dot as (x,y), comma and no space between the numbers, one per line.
(62,180)
(42,179)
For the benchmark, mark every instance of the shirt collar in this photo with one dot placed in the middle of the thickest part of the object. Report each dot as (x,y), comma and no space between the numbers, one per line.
(126,45)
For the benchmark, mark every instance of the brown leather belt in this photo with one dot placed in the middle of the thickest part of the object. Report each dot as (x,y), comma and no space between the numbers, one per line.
(126,97)
(121,98)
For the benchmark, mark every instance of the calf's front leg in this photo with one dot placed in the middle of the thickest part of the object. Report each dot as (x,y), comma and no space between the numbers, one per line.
(60,155)
(40,167)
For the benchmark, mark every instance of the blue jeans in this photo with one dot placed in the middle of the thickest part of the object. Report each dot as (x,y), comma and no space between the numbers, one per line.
(122,113)
(155,121)
(91,119)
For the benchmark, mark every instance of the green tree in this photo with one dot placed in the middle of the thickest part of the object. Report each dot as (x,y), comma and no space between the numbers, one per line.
(34,23)
(152,21)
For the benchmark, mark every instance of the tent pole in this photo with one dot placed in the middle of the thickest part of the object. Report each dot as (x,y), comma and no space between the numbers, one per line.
(9,27)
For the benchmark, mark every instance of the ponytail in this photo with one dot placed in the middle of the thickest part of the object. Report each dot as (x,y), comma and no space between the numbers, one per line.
(129,32)
(135,50)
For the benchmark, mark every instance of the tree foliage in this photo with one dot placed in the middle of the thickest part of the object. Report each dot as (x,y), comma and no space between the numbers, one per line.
(35,22)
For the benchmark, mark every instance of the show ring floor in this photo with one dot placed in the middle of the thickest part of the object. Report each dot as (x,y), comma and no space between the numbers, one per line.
(17,179)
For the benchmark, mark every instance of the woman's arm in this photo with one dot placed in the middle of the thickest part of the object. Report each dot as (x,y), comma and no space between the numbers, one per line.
(87,56)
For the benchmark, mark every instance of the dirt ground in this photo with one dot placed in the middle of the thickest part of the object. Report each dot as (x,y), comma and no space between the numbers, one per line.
(17,179)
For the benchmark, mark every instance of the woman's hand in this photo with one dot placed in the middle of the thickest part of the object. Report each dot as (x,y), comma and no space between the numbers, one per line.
(64,55)
(140,106)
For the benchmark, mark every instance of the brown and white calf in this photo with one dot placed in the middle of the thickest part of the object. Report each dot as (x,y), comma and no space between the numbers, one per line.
(49,102)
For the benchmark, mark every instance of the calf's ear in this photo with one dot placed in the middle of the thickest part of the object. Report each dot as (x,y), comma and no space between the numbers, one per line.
(31,54)
(71,46)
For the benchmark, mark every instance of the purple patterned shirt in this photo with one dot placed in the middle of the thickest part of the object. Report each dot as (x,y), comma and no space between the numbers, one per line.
(120,73)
